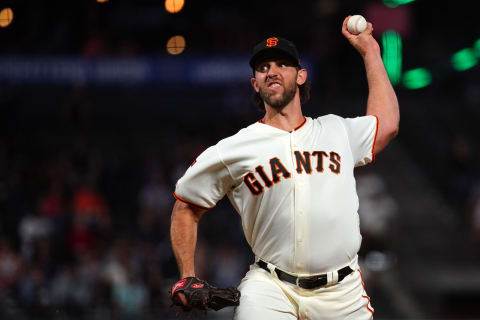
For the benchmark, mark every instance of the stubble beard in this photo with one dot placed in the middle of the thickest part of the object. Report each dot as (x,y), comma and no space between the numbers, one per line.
(280,102)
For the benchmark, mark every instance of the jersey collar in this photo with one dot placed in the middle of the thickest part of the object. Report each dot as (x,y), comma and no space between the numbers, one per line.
(296,128)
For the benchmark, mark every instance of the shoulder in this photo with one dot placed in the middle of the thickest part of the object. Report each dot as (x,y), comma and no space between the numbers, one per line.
(335,119)
(243,135)
(328,117)
(329,120)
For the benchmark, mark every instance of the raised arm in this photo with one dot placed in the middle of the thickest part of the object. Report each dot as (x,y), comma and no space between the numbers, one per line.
(382,100)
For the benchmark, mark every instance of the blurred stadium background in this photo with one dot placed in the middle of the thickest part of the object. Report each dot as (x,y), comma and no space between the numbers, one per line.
(101,111)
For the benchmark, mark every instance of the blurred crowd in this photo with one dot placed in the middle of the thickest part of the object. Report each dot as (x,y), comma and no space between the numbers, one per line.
(85,216)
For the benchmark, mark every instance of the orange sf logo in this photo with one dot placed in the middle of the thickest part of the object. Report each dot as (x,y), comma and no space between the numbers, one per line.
(272,42)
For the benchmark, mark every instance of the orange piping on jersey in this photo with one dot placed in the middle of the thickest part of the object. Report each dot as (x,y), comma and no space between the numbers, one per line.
(188,202)
(365,296)
(374,140)
(368,303)
(301,124)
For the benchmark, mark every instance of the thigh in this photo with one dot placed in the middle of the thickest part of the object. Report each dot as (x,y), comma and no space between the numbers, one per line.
(263,299)
(345,300)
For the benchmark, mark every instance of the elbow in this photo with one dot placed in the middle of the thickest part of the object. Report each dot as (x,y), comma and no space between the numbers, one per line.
(393,132)
(184,210)
(391,127)
(385,135)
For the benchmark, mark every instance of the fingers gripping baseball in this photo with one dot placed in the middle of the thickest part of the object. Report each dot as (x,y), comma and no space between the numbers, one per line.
(363,42)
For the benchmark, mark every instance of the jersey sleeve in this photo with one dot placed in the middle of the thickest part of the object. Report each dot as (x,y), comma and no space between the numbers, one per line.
(205,182)
(362,133)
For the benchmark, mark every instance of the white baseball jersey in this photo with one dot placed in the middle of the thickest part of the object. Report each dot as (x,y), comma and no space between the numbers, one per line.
(295,191)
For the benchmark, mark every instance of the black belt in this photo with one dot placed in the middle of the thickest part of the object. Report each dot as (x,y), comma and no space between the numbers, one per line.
(306,282)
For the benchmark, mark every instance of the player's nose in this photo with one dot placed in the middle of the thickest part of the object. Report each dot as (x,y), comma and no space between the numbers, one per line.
(272,71)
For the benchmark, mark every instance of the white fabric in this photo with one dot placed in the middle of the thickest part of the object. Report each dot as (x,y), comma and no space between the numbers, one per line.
(332,277)
(265,297)
(301,218)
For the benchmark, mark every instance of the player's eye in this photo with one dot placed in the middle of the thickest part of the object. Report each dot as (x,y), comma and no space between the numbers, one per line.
(263,67)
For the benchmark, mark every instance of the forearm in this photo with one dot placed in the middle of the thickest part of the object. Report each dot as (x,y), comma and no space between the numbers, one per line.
(183,236)
(382,100)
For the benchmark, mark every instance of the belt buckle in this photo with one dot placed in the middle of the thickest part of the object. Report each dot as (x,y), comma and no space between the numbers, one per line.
(312,283)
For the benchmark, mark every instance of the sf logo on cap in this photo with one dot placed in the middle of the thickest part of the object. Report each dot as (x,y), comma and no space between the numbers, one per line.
(272,42)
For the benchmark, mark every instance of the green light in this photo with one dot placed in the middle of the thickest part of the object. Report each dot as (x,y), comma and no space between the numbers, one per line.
(476,47)
(464,59)
(395,3)
(417,78)
(392,55)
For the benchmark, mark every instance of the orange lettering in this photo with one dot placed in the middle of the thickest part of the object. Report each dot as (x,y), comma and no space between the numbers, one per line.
(272,42)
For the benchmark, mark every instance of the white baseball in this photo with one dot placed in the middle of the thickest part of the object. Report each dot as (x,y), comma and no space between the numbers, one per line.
(356,24)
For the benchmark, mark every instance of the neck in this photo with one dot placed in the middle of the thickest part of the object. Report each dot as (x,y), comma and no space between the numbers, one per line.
(286,119)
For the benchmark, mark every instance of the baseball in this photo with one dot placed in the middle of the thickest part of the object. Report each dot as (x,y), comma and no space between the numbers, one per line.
(356,24)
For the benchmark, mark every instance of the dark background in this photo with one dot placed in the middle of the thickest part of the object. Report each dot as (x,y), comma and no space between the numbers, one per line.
(88,164)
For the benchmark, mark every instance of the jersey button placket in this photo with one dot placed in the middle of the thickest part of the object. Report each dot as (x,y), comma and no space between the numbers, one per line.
(298,221)
(294,186)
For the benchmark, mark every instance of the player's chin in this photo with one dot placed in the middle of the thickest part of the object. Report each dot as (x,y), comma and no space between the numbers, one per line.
(275,93)
(276,102)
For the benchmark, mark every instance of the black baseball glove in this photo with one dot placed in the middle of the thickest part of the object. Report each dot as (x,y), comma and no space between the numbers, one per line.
(200,295)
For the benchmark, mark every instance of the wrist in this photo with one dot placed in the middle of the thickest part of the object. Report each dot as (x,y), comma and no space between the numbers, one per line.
(184,275)
(372,59)
(372,54)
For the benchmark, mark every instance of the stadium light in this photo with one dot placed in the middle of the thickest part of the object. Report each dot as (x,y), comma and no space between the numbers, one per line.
(176,45)
(464,59)
(174,6)
(392,55)
(6,17)
(395,3)
(416,78)
(476,47)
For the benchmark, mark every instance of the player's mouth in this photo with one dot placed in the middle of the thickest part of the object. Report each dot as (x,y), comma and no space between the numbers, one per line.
(274,85)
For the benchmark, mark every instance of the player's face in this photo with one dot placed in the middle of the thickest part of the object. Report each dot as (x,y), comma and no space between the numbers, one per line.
(276,82)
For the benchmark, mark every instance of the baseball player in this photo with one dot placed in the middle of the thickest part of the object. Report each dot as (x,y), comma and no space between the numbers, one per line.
(290,178)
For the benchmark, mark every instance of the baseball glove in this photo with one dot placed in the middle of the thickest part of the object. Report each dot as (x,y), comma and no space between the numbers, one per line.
(201,295)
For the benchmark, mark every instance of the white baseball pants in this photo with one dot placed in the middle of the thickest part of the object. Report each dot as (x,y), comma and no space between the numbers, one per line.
(266,297)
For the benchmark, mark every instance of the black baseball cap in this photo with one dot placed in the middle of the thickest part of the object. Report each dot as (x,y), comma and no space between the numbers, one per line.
(274,45)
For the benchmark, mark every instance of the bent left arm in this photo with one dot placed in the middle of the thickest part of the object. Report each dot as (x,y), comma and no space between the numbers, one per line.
(382,100)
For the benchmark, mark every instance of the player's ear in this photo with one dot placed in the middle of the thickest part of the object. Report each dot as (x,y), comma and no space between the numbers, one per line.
(301,76)
(253,81)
